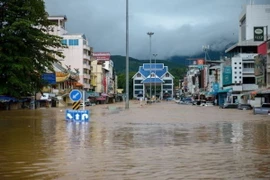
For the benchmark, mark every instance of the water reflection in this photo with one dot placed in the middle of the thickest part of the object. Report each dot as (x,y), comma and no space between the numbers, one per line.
(41,145)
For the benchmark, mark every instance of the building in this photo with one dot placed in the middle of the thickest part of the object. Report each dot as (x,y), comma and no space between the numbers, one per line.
(153,80)
(77,54)
(252,17)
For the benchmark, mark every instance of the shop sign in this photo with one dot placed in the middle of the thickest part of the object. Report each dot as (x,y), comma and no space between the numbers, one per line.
(259,33)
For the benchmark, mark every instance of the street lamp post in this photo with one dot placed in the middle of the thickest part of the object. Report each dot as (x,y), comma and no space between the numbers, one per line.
(127,58)
(150,58)
(155,55)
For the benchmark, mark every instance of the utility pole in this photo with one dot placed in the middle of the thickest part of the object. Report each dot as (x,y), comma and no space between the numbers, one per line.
(155,55)
(127,58)
(150,59)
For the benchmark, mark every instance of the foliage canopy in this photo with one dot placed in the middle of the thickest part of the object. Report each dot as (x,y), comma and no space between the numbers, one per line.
(26,49)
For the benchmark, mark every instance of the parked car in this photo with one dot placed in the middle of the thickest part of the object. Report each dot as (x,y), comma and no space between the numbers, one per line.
(244,107)
(229,106)
(186,101)
(264,109)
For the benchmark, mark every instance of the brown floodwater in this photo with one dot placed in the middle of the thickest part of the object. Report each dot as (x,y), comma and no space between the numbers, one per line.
(159,141)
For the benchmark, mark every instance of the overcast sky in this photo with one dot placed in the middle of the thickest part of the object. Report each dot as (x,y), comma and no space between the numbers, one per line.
(181,27)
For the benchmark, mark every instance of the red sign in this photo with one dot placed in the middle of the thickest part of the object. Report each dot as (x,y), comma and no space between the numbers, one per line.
(200,61)
(104,56)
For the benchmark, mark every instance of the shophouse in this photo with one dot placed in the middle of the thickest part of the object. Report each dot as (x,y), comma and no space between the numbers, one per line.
(77,54)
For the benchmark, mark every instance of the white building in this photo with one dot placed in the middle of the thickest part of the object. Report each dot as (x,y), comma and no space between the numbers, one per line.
(153,80)
(253,16)
(77,54)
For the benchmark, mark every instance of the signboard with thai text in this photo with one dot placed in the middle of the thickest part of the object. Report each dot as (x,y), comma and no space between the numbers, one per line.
(227,75)
(258,33)
(103,56)
(50,78)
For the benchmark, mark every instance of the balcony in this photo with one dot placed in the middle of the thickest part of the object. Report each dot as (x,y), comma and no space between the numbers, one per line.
(86,47)
(86,86)
(250,87)
(86,76)
(86,66)
(248,70)
(237,88)
(85,56)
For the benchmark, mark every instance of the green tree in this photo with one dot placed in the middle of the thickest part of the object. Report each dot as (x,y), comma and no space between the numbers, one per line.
(26,49)
(122,82)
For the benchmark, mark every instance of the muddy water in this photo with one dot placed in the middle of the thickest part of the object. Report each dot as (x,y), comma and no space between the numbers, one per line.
(158,141)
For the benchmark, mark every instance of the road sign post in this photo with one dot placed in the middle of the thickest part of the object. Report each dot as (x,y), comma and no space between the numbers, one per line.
(77,115)
(75,95)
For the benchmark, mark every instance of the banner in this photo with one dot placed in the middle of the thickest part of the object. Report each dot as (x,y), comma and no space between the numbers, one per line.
(227,75)
(104,56)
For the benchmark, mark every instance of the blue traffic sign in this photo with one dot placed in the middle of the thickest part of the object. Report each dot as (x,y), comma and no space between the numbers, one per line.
(77,115)
(75,95)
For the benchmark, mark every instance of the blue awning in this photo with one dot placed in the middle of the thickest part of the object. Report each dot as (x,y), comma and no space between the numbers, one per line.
(224,90)
(7,99)
(152,80)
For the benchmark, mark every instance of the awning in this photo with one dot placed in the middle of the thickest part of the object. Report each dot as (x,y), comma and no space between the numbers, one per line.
(7,99)
(101,99)
(77,84)
(224,90)
(104,94)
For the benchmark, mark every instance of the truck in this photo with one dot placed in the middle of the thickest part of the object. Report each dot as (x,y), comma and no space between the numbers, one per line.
(264,109)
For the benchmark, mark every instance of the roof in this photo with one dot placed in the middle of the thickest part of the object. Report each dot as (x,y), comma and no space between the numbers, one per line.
(158,68)
(247,43)
(57,17)
(152,80)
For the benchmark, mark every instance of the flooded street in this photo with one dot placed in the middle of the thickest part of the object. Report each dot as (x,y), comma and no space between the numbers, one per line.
(158,141)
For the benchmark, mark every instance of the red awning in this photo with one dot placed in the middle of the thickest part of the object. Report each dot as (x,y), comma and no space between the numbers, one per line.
(101,99)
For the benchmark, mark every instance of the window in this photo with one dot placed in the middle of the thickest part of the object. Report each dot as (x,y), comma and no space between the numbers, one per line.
(167,81)
(235,67)
(235,63)
(249,65)
(139,75)
(235,72)
(73,42)
(137,81)
(138,87)
(235,77)
(64,42)
(167,75)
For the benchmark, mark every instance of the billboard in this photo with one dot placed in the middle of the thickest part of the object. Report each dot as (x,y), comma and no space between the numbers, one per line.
(227,75)
(200,61)
(50,78)
(258,33)
(102,56)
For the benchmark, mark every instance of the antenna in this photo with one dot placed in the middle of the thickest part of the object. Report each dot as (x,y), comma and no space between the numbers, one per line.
(205,49)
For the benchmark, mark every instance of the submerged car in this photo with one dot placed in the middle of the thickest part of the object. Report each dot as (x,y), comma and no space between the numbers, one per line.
(264,109)
(244,107)
(229,106)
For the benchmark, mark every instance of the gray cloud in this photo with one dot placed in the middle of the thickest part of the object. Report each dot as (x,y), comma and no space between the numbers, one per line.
(181,27)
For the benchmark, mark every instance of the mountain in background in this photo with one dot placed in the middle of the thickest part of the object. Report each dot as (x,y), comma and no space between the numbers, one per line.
(120,63)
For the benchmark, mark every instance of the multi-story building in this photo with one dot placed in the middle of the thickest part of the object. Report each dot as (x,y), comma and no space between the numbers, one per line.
(103,74)
(77,52)
(252,17)
(153,80)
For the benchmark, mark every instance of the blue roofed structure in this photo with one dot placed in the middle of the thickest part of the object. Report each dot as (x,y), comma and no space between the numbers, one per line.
(153,80)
